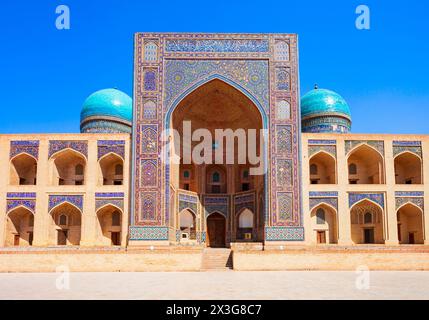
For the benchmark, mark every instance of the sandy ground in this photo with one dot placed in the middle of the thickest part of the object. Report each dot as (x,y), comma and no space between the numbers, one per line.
(216,285)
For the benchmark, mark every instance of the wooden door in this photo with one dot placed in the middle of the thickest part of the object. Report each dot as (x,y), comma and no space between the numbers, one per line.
(321,237)
(216,230)
(412,239)
(369,236)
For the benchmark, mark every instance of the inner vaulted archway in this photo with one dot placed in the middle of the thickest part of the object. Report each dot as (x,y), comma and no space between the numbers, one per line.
(323,169)
(213,105)
(365,166)
(19,227)
(408,169)
(367,223)
(410,224)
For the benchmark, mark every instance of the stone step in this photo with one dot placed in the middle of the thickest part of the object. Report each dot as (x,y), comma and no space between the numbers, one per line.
(216,260)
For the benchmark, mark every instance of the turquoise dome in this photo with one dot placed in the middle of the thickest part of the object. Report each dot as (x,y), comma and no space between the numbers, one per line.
(107,110)
(323,102)
(324,110)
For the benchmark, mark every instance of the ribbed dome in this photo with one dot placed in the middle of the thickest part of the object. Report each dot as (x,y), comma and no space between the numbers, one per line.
(107,110)
(323,102)
(324,110)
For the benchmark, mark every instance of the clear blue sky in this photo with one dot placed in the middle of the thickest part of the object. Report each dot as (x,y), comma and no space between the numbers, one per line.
(46,74)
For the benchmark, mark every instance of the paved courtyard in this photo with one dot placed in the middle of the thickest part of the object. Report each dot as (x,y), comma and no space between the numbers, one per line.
(216,285)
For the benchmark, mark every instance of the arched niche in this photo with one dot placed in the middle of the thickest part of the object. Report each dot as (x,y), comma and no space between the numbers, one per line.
(19,227)
(410,224)
(369,165)
(66,221)
(322,169)
(111,170)
(408,169)
(324,224)
(109,226)
(367,223)
(68,167)
(23,170)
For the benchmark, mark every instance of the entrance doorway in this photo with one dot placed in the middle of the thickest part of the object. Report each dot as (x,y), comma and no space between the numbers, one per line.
(369,236)
(321,237)
(116,238)
(216,230)
(411,238)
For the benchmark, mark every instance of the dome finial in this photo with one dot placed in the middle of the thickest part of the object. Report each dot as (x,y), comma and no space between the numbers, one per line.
(316,86)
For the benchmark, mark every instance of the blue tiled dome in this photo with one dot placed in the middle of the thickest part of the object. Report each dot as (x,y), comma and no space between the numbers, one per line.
(322,102)
(107,106)
(324,110)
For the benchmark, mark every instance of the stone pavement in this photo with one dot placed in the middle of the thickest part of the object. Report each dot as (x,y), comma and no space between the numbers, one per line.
(216,285)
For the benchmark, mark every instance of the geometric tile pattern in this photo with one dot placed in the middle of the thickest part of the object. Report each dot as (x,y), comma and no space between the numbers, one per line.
(58,145)
(400,201)
(56,200)
(29,147)
(24,199)
(377,145)
(153,233)
(284,234)
(375,197)
(110,146)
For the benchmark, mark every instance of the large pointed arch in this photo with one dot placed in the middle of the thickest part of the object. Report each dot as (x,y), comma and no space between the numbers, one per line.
(190,90)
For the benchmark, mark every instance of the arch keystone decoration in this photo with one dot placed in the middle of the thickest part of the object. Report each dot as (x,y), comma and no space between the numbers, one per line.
(376,198)
(352,145)
(105,147)
(29,147)
(79,146)
(57,200)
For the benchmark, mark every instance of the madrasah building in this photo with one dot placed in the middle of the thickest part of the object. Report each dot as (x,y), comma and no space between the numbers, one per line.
(111,185)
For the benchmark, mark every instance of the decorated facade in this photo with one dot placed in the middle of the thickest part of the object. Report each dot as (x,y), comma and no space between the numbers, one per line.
(125,180)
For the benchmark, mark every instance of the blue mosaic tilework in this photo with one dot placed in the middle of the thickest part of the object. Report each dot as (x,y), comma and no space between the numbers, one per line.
(55,200)
(216,203)
(109,194)
(326,194)
(377,145)
(216,45)
(284,234)
(252,75)
(30,204)
(400,201)
(409,194)
(375,197)
(407,143)
(149,233)
(29,147)
(314,202)
(20,195)
(107,146)
(58,145)
(322,142)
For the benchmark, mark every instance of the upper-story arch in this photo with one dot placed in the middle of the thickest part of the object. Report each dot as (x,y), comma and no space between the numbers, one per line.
(369,165)
(322,168)
(408,168)
(23,169)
